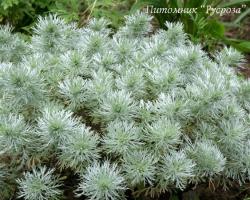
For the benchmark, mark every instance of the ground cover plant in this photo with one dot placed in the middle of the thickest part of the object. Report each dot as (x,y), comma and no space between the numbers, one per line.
(126,114)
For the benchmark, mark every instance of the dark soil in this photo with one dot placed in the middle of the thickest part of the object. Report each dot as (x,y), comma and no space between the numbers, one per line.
(244,69)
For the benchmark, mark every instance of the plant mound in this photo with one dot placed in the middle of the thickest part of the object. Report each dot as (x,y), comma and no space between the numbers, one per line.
(136,110)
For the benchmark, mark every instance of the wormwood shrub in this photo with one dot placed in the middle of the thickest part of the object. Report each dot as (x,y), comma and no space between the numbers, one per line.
(131,110)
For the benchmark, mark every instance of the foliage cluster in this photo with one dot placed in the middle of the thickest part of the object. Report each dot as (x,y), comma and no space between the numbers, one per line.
(124,111)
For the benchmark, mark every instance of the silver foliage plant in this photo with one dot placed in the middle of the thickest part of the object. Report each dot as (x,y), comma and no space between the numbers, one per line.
(40,184)
(133,110)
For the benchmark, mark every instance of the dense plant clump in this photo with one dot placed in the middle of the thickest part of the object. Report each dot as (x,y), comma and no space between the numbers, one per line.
(40,184)
(132,110)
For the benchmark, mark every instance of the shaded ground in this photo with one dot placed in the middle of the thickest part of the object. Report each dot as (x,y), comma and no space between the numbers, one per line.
(245,68)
